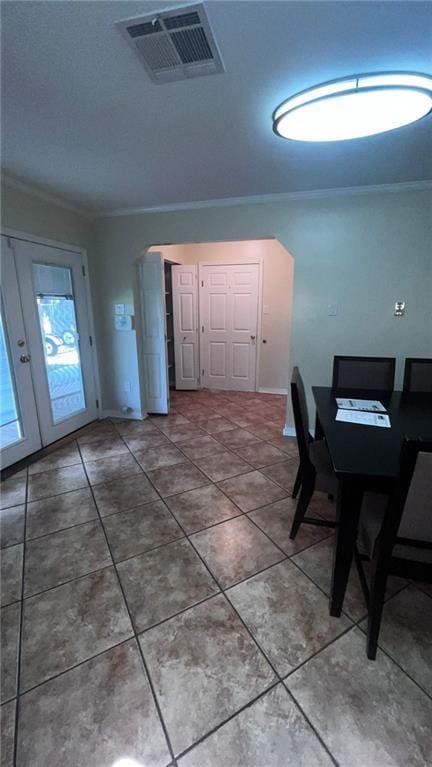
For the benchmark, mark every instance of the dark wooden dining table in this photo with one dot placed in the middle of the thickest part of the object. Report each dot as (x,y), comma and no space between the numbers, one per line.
(364,458)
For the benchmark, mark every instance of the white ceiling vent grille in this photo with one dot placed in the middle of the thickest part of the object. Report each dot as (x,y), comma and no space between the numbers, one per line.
(174,45)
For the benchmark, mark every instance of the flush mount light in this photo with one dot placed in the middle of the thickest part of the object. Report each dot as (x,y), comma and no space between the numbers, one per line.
(356,106)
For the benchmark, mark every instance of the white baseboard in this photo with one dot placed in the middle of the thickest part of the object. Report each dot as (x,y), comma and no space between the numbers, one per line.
(134,415)
(289,431)
(263,390)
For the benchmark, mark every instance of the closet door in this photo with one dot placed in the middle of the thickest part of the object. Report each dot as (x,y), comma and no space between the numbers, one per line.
(19,428)
(153,326)
(185,308)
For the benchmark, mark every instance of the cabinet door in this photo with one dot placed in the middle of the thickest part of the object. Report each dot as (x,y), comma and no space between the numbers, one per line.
(153,333)
(185,308)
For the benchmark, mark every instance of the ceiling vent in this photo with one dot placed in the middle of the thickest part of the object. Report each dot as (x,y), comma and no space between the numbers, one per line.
(174,45)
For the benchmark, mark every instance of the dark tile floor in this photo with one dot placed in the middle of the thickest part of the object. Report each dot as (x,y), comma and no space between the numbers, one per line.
(155,611)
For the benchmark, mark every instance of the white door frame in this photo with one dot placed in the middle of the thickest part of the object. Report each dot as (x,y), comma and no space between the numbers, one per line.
(231,262)
(19,235)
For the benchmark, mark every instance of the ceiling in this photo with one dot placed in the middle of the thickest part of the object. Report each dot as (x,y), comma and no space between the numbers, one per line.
(81,118)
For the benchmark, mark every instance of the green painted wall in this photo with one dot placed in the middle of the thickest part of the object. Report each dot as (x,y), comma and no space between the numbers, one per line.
(360,251)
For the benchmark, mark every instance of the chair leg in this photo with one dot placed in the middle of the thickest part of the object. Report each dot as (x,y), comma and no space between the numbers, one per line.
(306,493)
(297,483)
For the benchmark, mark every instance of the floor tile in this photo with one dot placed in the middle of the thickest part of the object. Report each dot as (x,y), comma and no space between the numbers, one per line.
(201,446)
(62,456)
(235,549)
(222,465)
(135,427)
(104,448)
(123,494)
(96,431)
(7,717)
(250,491)
(182,432)
(367,712)
(162,582)
(286,444)
(146,440)
(163,421)
(61,556)
(10,623)
(287,614)
(85,617)
(95,714)
(217,424)
(261,454)
(276,520)
(109,468)
(56,481)
(266,430)
(237,438)
(283,473)
(204,667)
(156,457)
(406,634)
(270,733)
(51,514)
(317,563)
(177,479)
(12,525)
(201,508)
(140,529)
(12,492)
(426,587)
(11,574)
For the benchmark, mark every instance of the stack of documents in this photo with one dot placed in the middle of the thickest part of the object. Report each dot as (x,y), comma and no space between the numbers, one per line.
(368,412)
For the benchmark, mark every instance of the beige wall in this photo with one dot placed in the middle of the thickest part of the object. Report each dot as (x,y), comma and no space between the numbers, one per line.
(277,288)
(32,215)
(361,251)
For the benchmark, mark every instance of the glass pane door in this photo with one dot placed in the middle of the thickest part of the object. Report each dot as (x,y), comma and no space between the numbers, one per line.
(10,427)
(58,327)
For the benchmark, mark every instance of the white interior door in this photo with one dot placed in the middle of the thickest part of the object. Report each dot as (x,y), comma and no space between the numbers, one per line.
(185,308)
(229,319)
(153,328)
(55,310)
(19,428)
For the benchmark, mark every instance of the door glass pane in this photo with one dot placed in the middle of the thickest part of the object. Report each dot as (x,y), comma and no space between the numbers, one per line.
(57,317)
(10,427)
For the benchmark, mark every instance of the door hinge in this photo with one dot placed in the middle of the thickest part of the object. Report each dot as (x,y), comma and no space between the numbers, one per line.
(202,372)
(202,328)
(97,404)
(91,341)
(83,270)
(202,283)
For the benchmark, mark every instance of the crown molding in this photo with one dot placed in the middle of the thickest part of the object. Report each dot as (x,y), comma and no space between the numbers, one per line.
(407,186)
(34,191)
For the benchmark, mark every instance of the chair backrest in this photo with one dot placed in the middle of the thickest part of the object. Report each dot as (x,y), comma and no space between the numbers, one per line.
(418,374)
(364,373)
(301,418)
(409,511)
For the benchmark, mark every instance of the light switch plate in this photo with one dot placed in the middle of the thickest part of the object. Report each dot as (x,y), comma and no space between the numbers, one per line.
(331,310)
(119,309)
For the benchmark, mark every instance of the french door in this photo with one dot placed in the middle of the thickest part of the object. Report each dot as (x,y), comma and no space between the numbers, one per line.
(48,379)
(229,320)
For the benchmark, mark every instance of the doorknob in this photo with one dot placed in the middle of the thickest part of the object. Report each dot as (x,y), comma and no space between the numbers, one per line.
(25,358)
(252,338)
(21,342)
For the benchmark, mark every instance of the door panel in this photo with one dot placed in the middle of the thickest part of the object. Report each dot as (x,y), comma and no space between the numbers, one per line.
(185,312)
(54,301)
(19,428)
(229,317)
(154,331)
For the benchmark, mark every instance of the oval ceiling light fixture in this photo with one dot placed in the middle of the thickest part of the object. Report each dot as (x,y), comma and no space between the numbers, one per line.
(354,107)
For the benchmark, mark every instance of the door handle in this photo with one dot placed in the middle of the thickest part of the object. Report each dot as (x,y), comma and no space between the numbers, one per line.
(253,338)
(25,358)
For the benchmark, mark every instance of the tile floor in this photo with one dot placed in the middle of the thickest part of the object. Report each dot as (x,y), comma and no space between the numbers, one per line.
(155,611)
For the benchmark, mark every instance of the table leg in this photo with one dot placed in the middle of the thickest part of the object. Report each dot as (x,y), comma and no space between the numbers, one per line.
(349,504)
(319,433)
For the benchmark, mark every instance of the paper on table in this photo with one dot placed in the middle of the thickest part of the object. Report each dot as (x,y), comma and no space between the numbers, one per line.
(360,404)
(367,419)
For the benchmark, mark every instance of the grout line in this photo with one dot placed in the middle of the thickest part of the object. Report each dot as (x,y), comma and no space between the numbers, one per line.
(164,728)
(20,632)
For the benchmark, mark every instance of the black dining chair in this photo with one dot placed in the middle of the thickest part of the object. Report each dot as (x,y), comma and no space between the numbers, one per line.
(418,375)
(315,471)
(363,373)
(395,532)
